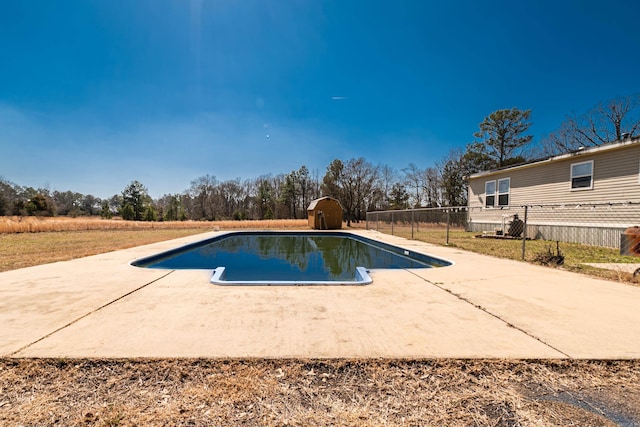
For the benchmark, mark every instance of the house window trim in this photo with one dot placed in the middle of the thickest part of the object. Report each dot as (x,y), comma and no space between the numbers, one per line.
(486,195)
(571,177)
(498,193)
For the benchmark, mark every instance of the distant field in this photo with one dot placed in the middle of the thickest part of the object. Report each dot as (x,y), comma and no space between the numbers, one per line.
(33,241)
(16,224)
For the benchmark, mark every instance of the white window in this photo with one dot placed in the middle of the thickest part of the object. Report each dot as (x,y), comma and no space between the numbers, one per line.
(504,185)
(489,194)
(582,175)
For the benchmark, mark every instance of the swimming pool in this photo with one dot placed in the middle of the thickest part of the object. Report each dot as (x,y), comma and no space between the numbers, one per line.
(289,258)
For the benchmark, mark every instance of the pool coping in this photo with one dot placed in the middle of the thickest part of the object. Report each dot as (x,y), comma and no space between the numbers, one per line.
(361,278)
(361,273)
(480,307)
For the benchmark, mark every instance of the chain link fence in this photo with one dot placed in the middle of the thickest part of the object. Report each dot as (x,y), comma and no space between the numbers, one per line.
(598,224)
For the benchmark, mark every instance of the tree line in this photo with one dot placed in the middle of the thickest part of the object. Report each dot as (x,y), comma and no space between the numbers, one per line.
(361,186)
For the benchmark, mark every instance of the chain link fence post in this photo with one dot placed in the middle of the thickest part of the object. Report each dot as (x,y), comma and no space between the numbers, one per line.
(392,223)
(448,223)
(412,225)
(524,231)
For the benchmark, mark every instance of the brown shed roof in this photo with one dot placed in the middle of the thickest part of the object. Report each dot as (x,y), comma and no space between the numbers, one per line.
(315,202)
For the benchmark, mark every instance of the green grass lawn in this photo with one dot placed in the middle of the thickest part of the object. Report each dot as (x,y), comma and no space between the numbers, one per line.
(575,255)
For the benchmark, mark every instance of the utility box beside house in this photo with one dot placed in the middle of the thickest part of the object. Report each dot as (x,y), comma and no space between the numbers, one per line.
(630,242)
(325,213)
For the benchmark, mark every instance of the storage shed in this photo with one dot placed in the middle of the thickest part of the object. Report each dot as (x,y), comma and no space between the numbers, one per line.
(325,213)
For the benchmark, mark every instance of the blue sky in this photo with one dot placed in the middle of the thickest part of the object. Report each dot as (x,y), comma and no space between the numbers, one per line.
(95,94)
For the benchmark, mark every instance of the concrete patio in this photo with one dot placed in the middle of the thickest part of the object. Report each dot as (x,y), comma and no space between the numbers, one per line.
(481,307)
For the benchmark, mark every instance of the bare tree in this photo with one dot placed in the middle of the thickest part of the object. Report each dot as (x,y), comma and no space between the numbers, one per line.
(315,184)
(413,177)
(453,178)
(352,183)
(606,122)
(304,184)
(203,193)
(170,208)
(231,199)
(359,177)
(67,202)
(388,177)
(432,188)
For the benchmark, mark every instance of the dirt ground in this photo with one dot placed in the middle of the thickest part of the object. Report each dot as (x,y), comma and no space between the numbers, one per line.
(196,392)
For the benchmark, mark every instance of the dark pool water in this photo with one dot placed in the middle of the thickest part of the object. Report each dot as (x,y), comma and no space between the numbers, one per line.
(277,256)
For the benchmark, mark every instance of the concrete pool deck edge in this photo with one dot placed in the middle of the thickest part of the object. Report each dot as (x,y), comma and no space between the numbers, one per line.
(480,307)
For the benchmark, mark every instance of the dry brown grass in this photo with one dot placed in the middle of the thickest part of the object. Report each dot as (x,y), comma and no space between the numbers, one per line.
(32,224)
(194,392)
(95,236)
(319,392)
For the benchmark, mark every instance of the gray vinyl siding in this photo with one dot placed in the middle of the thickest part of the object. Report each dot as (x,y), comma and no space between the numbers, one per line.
(615,179)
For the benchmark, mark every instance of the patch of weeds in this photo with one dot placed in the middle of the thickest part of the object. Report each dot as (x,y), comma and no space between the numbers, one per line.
(550,258)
